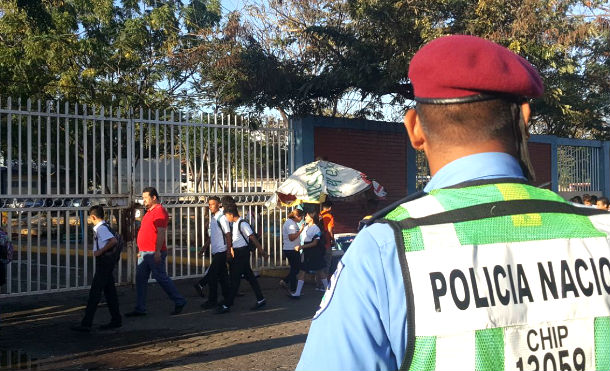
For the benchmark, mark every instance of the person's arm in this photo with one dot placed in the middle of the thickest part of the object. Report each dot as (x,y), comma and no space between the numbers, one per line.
(107,247)
(159,244)
(258,245)
(313,243)
(361,323)
(294,236)
(229,240)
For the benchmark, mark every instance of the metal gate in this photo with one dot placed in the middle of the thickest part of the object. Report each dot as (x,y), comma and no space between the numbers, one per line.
(57,160)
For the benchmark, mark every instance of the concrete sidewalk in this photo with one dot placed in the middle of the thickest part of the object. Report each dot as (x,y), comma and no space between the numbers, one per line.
(35,334)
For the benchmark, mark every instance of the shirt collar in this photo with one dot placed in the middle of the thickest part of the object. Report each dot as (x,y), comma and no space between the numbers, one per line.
(488,165)
(95,227)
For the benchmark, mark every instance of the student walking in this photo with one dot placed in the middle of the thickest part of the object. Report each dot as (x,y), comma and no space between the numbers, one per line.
(291,239)
(313,251)
(104,249)
(220,233)
(152,252)
(239,250)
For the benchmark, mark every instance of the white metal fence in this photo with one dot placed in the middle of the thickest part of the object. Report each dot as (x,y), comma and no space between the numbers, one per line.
(579,168)
(56,160)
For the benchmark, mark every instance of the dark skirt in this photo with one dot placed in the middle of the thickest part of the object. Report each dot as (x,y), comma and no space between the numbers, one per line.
(313,259)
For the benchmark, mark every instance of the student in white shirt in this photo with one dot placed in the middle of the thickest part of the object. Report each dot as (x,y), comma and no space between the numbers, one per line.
(103,279)
(291,238)
(241,234)
(219,234)
(313,253)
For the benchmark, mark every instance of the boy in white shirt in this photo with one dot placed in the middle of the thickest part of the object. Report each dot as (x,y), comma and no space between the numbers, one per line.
(239,251)
(103,279)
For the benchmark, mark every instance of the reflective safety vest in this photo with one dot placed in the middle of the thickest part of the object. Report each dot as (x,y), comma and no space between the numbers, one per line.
(504,276)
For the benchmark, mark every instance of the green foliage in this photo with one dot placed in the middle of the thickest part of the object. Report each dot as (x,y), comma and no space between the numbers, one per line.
(303,57)
(99,51)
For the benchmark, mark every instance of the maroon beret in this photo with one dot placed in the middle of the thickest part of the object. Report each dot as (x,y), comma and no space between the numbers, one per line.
(460,69)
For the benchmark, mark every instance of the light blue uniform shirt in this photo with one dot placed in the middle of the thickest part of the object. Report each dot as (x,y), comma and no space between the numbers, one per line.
(364,326)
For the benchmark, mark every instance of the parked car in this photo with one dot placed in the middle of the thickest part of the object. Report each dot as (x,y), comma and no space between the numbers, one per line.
(342,242)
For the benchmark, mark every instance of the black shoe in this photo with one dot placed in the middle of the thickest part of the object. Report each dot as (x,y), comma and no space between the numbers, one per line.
(80,328)
(111,325)
(209,305)
(223,309)
(135,313)
(199,289)
(178,309)
(259,304)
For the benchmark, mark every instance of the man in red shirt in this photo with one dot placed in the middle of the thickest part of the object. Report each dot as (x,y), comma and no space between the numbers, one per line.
(152,252)
(328,233)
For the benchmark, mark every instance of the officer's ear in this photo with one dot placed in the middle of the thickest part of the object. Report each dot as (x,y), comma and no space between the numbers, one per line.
(526,113)
(415,130)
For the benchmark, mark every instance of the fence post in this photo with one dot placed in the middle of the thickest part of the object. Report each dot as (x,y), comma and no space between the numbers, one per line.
(605,168)
(554,171)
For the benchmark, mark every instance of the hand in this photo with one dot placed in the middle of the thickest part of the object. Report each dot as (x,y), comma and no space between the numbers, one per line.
(231,253)
(297,248)
(157,257)
(264,254)
(97,253)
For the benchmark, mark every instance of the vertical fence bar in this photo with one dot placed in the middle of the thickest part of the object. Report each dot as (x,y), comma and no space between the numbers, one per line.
(39,192)
(171,128)
(215,154)
(157,148)
(67,192)
(141,159)
(102,151)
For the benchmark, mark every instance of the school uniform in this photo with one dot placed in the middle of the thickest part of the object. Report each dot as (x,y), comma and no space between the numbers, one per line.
(241,262)
(103,279)
(217,272)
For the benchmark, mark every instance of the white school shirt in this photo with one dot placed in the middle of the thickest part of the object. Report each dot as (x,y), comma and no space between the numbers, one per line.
(312,232)
(238,239)
(290,227)
(217,233)
(102,235)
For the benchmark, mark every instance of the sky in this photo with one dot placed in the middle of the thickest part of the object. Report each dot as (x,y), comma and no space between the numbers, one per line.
(230,5)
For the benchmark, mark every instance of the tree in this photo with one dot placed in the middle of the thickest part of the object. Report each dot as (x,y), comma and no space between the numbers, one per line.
(303,57)
(100,52)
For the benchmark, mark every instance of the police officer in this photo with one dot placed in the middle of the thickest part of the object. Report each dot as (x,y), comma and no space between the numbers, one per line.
(481,270)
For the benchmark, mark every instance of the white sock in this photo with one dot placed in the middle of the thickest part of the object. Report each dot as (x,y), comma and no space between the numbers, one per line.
(325,283)
(300,284)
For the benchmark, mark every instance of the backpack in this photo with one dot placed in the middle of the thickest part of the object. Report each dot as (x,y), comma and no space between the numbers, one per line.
(251,245)
(114,255)
(6,247)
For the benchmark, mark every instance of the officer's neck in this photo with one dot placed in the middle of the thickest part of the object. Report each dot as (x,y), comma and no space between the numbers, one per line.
(439,155)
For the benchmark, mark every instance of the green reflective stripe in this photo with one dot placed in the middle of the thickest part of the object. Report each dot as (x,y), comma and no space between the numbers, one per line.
(412,237)
(489,349)
(424,355)
(527,227)
(398,213)
(602,343)
(457,198)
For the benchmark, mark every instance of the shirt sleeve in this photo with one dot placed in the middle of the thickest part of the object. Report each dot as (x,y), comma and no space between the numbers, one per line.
(103,236)
(160,219)
(224,225)
(292,228)
(361,323)
(246,230)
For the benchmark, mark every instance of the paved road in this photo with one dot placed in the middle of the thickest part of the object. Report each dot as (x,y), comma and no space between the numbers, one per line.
(34,332)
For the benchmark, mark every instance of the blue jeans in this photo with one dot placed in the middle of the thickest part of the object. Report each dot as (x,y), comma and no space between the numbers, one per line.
(146,266)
